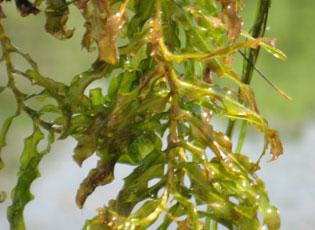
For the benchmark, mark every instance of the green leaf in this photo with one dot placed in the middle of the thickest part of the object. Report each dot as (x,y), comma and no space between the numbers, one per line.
(270,49)
(3,196)
(175,211)
(208,5)
(147,208)
(271,218)
(142,13)
(86,146)
(114,86)
(136,184)
(94,225)
(197,177)
(123,83)
(190,210)
(2,88)
(96,96)
(146,214)
(56,89)
(163,59)
(49,108)
(170,30)
(127,82)
(144,144)
(4,131)
(28,172)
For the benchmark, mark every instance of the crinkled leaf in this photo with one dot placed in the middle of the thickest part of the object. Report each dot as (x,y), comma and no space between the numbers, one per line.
(101,175)
(275,144)
(55,89)
(56,18)
(102,27)
(162,57)
(28,172)
(87,141)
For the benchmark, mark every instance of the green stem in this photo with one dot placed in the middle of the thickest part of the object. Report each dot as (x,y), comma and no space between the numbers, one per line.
(258,30)
(242,136)
(214,225)
(207,223)
(230,128)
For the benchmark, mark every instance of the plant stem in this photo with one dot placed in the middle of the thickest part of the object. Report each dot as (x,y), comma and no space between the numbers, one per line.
(207,223)
(242,136)
(214,225)
(258,30)
(7,49)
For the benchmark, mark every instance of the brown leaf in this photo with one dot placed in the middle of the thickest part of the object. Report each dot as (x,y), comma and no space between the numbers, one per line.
(102,27)
(276,148)
(230,16)
(81,4)
(101,175)
(108,50)
(2,14)
(222,140)
(25,7)
(248,97)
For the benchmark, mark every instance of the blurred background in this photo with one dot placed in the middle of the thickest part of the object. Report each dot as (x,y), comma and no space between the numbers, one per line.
(290,180)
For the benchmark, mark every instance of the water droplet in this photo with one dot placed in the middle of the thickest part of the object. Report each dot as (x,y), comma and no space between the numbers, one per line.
(276,55)
(226,138)
(264,227)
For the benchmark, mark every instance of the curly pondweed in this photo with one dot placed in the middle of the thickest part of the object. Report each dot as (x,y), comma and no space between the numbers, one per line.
(162,59)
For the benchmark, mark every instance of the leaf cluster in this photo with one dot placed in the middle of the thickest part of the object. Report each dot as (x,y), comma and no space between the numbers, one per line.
(163,60)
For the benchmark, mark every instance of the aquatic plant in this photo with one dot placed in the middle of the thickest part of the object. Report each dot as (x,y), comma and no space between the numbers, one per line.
(165,61)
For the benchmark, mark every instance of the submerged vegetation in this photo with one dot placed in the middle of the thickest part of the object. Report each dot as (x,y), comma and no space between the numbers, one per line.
(164,61)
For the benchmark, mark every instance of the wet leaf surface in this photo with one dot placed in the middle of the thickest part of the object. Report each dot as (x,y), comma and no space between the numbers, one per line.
(161,60)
